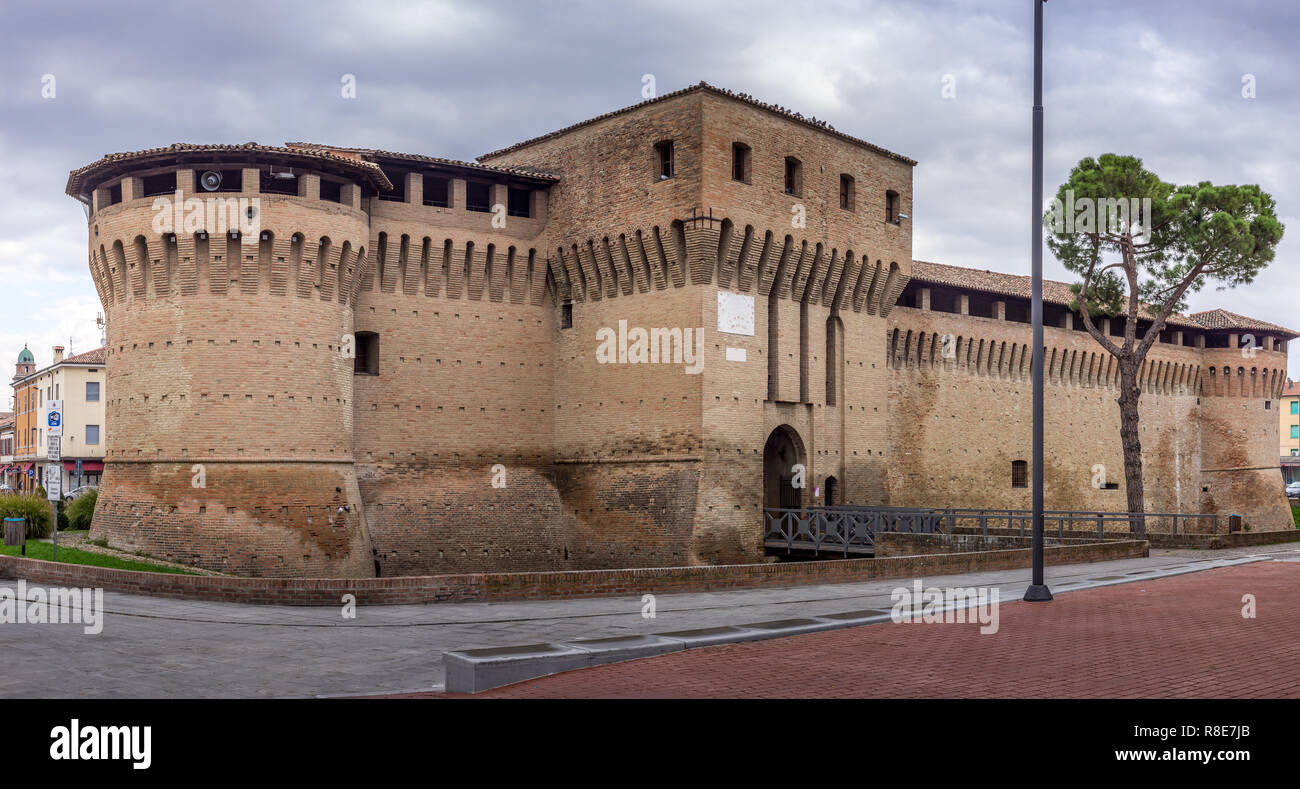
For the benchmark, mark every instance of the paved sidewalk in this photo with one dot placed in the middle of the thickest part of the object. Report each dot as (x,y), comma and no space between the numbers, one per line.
(1177,637)
(157,648)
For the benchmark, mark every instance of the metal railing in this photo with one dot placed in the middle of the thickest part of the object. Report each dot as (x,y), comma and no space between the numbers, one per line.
(1079,520)
(851,529)
(843,530)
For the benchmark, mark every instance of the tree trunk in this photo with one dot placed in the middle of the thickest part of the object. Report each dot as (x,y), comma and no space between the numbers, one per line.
(1129,393)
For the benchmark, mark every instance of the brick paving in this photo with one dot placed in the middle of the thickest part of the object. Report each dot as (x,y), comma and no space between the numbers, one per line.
(1178,637)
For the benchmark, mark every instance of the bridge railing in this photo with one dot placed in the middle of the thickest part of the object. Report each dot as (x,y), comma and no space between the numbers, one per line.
(849,529)
(842,529)
(1079,520)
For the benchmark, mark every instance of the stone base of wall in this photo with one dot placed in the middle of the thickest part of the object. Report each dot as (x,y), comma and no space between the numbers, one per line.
(902,544)
(549,585)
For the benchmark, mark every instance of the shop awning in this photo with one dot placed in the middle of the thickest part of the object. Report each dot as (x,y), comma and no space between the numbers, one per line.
(87,466)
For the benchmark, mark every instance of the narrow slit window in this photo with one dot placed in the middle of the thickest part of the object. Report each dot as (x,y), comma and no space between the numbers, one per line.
(793,176)
(740,162)
(664,162)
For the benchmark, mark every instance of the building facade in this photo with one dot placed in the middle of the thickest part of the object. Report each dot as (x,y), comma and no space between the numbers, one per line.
(1289,431)
(78,381)
(8,472)
(612,345)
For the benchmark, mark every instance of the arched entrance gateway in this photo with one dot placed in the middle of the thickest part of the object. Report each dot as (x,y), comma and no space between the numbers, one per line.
(783,451)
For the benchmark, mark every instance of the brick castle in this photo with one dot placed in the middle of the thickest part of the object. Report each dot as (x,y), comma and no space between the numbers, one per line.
(404,364)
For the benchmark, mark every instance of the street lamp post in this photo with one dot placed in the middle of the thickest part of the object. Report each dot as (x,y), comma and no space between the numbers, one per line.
(1038,591)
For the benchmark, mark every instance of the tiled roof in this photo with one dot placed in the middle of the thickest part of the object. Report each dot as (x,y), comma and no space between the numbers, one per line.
(1222,319)
(704,86)
(1019,286)
(97,356)
(523,172)
(1292,388)
(79,179)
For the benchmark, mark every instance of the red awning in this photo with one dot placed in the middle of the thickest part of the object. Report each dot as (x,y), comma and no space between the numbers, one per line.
(87,466)
(28,467)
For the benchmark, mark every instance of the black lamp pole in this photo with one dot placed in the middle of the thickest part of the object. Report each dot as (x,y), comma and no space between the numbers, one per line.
(1038,590)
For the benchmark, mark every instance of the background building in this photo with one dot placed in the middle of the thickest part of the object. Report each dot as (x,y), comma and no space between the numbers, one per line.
(79,382)
(339,389)
(1289,430)
(8,473)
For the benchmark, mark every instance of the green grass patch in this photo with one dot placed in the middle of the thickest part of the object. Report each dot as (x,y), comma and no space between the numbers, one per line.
(1295,514)
(44,550)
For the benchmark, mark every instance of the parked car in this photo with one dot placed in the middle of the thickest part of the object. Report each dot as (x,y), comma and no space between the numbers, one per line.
(7,489)
(75,492)
(1293,490)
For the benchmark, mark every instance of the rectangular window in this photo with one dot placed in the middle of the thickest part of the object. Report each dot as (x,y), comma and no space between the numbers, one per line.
(846,192)
(160,184)
(1019,474)
(92,434)
(92,391)
(437,191)
(398,193)
(367,353)
(331,191)
(566,315)
(740,162)
(1295,406)
(277,182)
(1295,431)
(891,207)
(664,165)
(478,197)
(519,202)
(793,176)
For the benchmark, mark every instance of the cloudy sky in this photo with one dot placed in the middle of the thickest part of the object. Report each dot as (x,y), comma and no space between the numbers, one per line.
(1160,79)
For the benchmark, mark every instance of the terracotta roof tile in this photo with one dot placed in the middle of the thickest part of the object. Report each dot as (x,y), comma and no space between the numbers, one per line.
(78,179)
(1222,319)
(96,356)
(1019,286)
(525,172)
(704,86)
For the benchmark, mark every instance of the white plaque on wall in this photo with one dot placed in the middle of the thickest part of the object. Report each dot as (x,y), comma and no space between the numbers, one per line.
(735,313)
(735,354)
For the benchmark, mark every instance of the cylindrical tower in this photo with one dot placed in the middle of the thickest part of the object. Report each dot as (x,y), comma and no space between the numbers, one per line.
(228,278)
(1240,387)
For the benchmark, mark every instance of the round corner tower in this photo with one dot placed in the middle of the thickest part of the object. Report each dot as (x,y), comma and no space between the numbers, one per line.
(228,276)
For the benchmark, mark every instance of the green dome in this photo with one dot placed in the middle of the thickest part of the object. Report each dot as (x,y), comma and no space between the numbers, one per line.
(25,356)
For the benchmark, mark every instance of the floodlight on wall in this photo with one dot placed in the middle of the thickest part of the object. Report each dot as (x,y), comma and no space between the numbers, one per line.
(902,216)
(283,175)
(210,180)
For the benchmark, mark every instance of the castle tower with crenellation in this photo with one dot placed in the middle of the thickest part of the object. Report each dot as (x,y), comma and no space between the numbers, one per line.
(613,345)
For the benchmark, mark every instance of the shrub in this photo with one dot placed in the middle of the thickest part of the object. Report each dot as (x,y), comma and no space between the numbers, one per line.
(35,509)
(81,509)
